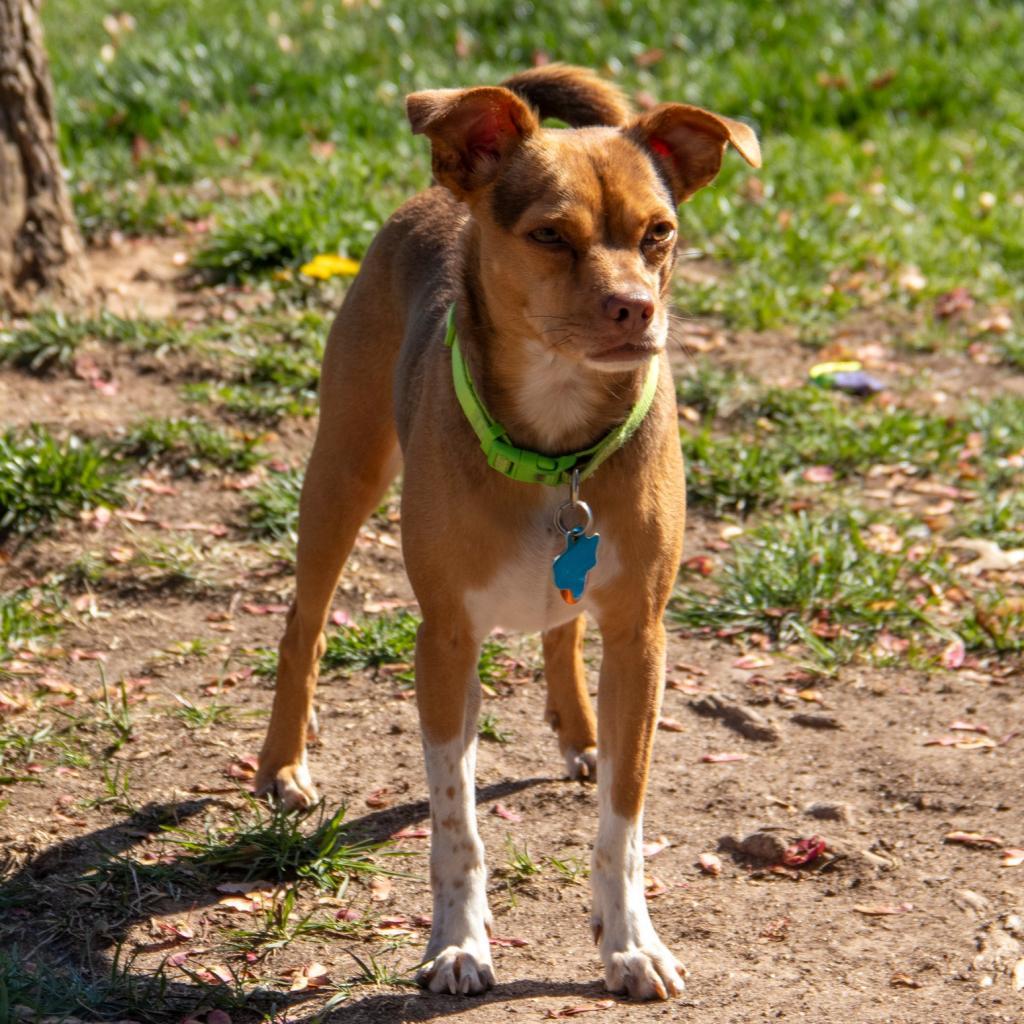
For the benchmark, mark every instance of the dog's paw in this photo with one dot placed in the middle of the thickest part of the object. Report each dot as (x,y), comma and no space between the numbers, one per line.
(289,785)
(581,764)
(457,972)
(651,972)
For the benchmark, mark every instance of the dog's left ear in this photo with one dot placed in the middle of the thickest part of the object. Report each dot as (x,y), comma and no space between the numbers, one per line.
(689,143)
(471,132)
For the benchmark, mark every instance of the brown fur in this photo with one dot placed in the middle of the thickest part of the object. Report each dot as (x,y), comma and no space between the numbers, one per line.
(558,338)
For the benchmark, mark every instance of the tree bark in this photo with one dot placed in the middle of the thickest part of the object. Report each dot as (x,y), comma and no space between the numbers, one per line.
(41,254)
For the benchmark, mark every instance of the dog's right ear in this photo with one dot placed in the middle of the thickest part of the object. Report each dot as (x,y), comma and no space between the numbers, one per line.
(471,132)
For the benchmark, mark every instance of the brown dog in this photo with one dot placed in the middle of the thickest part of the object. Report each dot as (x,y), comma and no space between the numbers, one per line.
(556,247)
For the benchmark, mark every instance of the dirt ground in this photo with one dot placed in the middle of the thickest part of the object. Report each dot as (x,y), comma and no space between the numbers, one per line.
(898,922)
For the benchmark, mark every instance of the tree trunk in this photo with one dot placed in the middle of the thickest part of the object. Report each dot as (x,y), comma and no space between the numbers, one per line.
(41,253)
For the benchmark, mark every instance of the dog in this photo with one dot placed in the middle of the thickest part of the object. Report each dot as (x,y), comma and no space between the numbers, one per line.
(504,343)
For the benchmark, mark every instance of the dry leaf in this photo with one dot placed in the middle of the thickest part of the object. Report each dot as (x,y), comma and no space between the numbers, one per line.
(710,864)
(412,832)
(883,909)
(991,557)
(671,725)
(975,839)
(575,1011)
(312,975)
(1012,857)
(803,851)
(517,943)
(653,848)
(506,813)
(953,654)
(723,758)
(654,887)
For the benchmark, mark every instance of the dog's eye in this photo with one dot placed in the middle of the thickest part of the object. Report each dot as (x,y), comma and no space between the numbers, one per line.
(660,232)
(546,236)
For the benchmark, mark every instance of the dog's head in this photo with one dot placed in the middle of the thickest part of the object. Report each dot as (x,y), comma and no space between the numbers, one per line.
(576,227)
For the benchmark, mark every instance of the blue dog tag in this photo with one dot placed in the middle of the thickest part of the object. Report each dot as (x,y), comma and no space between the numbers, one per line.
(571,567)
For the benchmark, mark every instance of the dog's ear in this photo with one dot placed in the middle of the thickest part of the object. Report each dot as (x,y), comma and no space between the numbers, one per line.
(689,143)
(471,132)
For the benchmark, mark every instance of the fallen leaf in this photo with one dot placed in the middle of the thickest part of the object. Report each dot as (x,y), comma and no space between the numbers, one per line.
(264,609)
(1012,857)
(1018,976)
(957,742)
(655,846)
(710,864)
(671,725)
(991,557)
(312,975)
(819,474)
(517,943)
(750,662)
(506,813)
(654,887)
(581,1008)
(340,617)
(412,832)
(243,768)
(900,980)
(960,726)
(975,839)
(956,300)
(883,909)
(804,851)
(723,758)
(380,798)
(953,654)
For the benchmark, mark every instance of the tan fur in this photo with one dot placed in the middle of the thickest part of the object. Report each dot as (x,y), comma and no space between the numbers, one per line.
(558,338)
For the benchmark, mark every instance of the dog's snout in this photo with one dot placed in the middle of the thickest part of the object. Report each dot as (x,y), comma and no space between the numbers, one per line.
(629,309)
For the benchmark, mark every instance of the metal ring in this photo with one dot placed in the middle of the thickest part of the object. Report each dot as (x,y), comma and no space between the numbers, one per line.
(580,506)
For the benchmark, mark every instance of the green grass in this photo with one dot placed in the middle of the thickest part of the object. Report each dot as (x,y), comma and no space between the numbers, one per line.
(190,446)
(276,846)
(50,340)
(286,124)
(44,479)
(27,618)
(821,582)
(273,510)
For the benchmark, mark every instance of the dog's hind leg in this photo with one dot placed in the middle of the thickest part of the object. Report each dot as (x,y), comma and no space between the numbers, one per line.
(354,459)
(569,711)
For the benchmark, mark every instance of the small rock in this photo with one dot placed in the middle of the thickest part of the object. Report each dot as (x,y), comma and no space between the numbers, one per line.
(812,721)
(746,721)
(767,844)
(826,811)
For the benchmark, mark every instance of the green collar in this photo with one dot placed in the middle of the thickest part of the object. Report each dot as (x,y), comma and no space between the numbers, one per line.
(532,467)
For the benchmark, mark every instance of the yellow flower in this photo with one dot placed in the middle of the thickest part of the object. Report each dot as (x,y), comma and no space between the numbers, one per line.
(329,264)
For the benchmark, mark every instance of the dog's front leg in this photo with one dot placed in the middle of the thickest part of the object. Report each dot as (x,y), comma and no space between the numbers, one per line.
(629,698)
(458,956)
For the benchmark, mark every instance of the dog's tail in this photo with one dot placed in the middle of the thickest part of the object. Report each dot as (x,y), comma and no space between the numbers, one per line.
(574,95)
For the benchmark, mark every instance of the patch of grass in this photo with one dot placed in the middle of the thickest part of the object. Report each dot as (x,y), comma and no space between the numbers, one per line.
(190,446)
(520,866)
(272,844)
(27,619)
(733,472)
(43,479)
(34,990)
(823,582)
(274,507)
(48,340)
(202,716)
(995,623)
(488,728)
(381,640)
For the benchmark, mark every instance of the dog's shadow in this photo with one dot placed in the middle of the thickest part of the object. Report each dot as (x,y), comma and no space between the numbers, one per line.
(52,946)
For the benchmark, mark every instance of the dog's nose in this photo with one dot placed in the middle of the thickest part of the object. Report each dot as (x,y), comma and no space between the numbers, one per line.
(629,309)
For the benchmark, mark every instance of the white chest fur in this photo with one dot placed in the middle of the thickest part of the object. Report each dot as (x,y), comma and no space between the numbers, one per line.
(521,594)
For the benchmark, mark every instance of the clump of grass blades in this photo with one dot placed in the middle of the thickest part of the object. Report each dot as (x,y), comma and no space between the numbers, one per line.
(25,617)
(49,339)
(818,582)
(272,844)
(274,509)
(190,446)
(43,479)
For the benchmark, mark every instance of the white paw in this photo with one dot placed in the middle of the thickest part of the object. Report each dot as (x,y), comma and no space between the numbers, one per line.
(457,972)
(290,786)
(581,764)
(651,972)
